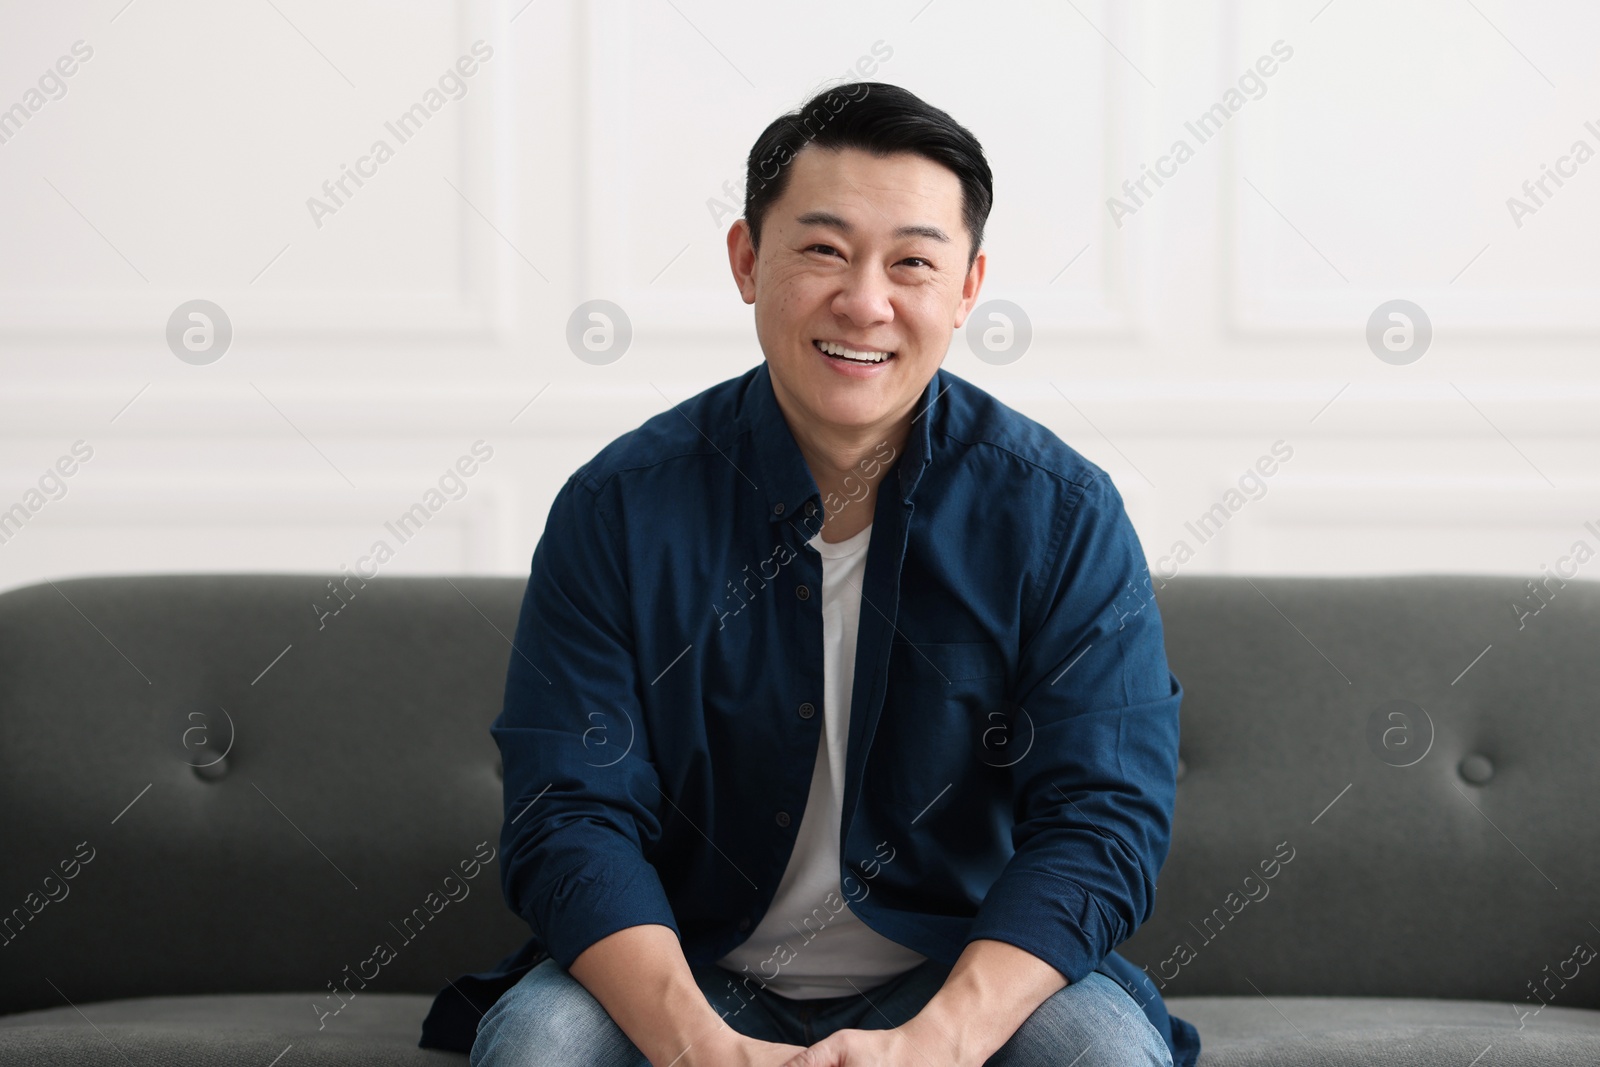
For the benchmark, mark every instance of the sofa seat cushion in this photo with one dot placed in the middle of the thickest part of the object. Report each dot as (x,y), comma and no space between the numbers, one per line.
(1380,1032)
(254,1030)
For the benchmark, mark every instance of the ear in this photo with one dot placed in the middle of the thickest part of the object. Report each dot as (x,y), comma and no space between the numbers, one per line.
(970,287)
(742,259)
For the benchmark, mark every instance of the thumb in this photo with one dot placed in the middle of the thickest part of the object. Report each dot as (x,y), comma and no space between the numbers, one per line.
(811,1057)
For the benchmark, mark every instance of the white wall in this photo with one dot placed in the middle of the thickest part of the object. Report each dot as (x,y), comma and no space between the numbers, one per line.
(1173,345)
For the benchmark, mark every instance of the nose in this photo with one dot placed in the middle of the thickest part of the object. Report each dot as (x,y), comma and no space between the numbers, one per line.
(864,297)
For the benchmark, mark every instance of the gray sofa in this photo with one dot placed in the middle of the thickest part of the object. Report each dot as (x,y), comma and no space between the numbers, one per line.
(1344,887)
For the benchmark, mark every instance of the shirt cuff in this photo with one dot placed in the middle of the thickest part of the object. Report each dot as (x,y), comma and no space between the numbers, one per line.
(606,894)
(1048,916)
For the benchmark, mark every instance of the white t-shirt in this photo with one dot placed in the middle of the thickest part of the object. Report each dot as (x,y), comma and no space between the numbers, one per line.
(828,947)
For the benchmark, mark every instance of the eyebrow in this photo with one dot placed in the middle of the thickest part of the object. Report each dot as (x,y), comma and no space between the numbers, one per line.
(829,219)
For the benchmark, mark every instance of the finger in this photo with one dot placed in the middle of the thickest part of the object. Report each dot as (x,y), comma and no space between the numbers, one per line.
(818,1055)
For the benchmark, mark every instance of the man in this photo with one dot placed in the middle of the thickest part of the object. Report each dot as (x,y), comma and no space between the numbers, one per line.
(838,728)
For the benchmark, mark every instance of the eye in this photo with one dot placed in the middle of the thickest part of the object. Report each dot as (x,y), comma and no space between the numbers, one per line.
(825,249)
(917,259)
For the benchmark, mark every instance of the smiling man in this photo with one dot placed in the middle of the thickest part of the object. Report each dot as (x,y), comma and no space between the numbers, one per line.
(839,728)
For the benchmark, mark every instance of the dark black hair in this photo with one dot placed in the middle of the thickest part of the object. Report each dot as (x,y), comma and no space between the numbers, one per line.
(874,117)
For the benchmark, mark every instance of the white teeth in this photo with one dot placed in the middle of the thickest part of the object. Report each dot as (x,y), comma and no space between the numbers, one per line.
(833,349)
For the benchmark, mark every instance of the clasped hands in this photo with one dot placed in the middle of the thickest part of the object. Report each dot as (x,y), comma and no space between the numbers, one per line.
(910,1045)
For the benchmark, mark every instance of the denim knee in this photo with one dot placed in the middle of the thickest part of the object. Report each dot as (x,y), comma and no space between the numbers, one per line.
(1091,1023)
(548,1019)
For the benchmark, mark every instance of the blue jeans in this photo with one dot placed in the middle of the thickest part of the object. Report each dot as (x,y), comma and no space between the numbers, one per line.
(549,1018)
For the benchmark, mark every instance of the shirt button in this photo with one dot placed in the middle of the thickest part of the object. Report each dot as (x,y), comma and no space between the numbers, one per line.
(783,818)
(777,509)
(807,710)
(811,508)
(803,592)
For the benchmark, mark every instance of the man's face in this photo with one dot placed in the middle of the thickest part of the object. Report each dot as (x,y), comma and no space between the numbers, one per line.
(864,255)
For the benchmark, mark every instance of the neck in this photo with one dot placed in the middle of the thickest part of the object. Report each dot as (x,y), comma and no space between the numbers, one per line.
(847,463)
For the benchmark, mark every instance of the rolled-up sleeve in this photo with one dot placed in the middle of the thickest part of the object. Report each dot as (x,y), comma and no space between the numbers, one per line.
(582,803)
(1094,795)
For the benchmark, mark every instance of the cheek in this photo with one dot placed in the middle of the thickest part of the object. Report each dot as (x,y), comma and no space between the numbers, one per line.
(929,313)
(775,296)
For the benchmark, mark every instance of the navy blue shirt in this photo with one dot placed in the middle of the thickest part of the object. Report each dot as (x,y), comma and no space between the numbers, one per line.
(1013,738)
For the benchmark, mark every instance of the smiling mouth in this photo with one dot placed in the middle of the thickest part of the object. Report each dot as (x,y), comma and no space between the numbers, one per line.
(834,350)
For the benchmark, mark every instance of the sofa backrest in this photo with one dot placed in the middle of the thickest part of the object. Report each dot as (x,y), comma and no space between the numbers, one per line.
(1426,748)
(1389,787)
(357,798)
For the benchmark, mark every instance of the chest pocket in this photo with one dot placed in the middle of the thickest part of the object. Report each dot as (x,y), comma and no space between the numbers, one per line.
(941,708)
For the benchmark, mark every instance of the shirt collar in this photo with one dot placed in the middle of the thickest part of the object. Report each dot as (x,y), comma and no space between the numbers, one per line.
(786,481)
